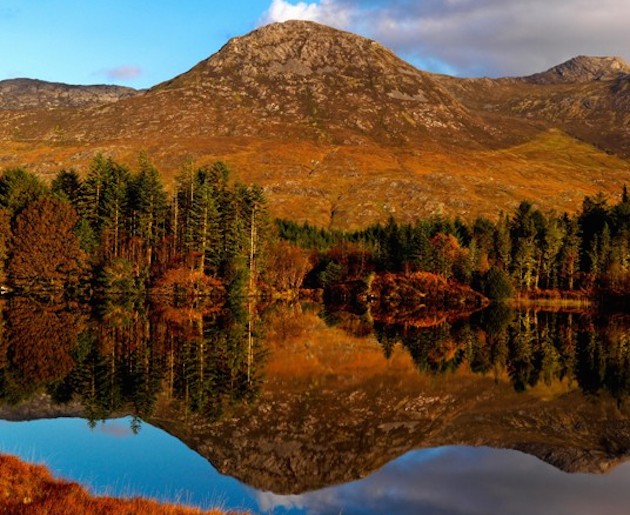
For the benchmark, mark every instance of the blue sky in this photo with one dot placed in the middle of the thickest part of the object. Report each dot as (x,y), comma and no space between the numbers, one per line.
(141,43)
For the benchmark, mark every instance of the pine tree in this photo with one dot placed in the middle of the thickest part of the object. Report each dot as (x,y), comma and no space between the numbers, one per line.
(147,206)
(104,201)
(501,248)
(551,245)
(569,255)
(67,185)
(18,188)
(523,236)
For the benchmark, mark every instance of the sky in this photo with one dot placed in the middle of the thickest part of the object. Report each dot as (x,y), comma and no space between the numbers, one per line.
(141,43)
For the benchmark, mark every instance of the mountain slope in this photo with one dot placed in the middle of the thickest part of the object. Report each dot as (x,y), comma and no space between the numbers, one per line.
(588,97)
(341,132)
(17,94)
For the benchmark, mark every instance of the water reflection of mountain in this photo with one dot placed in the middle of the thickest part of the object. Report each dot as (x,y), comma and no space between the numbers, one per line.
(301,398)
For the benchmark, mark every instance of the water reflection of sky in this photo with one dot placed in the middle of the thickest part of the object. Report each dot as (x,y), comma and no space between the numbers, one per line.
(460,480)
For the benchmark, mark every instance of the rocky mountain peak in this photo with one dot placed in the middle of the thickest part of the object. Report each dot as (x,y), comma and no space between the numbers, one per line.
(301,49)
(325,80)
(583,69)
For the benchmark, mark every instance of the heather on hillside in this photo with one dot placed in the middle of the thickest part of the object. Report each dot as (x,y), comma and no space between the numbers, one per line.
(120,231)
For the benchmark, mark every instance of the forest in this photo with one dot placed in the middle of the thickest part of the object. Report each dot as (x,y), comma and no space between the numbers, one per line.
(526,253)
(114,230)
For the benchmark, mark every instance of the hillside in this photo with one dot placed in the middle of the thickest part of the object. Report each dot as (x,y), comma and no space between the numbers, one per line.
(18,94)
(341,132)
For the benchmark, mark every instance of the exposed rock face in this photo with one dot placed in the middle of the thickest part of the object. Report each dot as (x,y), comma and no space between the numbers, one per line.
(32,94)
(322,81)
(582,69)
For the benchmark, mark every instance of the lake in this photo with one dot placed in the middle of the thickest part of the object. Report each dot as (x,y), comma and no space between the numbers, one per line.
(305,408)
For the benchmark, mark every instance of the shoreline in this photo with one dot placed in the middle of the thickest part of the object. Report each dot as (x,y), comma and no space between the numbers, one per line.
(31,488)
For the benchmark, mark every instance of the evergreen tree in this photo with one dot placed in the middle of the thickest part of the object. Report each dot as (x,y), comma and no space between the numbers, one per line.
(18,188)
(523,236)
(501,250)
(67,185)
(552,239)
(594,216)
(569,254)
(147,205)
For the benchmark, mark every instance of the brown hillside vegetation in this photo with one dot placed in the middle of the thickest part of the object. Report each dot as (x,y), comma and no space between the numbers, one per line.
(30,489)
(341,132)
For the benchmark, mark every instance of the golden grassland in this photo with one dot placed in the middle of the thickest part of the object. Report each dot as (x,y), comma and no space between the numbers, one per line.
(350,186)
(31,489)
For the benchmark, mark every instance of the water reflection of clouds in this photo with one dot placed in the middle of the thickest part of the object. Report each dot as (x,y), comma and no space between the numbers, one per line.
(115,429)
(465,481)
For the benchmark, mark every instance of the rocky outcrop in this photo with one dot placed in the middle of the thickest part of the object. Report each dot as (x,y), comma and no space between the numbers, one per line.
(18,94)
(582,69)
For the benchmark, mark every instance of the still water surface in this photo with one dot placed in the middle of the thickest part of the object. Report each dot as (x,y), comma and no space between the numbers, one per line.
(111,459)
(303,409)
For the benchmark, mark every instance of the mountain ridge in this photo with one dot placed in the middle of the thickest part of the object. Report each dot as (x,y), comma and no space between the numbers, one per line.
(342,132)
(583,68)
(24,93)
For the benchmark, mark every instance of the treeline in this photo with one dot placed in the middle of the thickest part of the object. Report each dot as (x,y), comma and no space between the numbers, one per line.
(527,252)
(118,230)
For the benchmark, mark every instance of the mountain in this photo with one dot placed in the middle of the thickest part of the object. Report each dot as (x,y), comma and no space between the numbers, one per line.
(583,69)
(342,132)
(587,97)
(18,94)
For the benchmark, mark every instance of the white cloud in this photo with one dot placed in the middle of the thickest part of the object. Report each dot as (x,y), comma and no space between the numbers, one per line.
(328,12)
(477,37)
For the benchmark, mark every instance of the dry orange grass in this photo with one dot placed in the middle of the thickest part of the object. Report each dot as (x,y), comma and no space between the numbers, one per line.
(30,489)
(349,186)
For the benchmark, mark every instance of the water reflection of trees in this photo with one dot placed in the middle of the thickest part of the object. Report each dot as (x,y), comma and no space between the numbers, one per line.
(28,364)
(125,358)
(529,346)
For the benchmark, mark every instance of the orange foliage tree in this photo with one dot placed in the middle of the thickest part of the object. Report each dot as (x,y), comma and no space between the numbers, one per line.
(286,266)
(446,250)
(46,255)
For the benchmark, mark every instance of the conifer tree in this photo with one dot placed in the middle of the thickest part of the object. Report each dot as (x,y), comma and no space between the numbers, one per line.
(569,255)
(147,206)
(18,188)
(67,185)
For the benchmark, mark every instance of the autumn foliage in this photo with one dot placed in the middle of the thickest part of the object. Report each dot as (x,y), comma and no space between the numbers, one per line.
(31,489)
(45,254)
(287,265)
